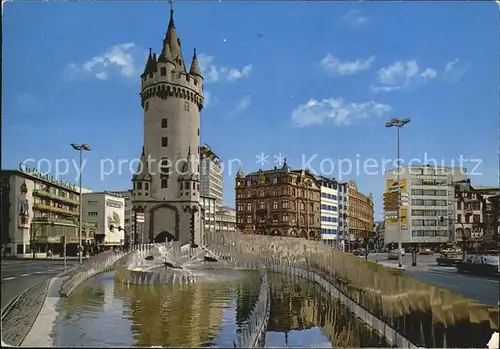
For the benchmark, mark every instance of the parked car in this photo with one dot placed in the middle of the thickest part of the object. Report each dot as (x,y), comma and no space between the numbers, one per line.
(426,252)
(448,259)
(479,265)
(393,255)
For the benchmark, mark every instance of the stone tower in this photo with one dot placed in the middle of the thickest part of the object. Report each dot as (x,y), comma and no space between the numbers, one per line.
(166,185)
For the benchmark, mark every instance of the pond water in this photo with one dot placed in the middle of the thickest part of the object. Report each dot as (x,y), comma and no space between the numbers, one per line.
(101,312)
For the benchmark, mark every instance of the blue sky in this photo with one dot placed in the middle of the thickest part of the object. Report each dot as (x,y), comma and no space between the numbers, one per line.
(294,78)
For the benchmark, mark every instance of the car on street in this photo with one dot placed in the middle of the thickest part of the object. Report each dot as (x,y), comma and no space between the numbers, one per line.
(479,265)
(393,255)
(426,252)
(448,259)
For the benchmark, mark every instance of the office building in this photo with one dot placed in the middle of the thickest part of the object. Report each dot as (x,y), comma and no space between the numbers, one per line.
(359,213)
(211,175)
(37,211)
(225,220)
(329,206)
(107,211)
(428,194)
(343,231)
(208,213)
(280,202)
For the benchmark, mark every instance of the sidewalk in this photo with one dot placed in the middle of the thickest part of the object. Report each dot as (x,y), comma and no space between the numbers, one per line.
(391,265)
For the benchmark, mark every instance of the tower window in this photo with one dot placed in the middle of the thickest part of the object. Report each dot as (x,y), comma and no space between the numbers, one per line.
(146,106)
(164,183)
(186,106)
(164,123)
(164,142)
(198,132)
(139,185)
(163,71)
(146,186)
(151,75)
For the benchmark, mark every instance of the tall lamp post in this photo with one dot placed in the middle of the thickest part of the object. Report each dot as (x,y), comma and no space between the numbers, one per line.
(80,148)
(398,123)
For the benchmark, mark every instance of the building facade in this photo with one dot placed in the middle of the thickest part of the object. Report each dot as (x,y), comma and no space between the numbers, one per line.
(343,217)
(167,185)
(107,211)
(359,213)
(281,202)
(429,194)
(211,175)
(225,220)
(208,213)
(475,216)
(37,211)
(329,206)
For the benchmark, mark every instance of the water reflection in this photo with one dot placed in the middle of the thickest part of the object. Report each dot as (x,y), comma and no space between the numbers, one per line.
(304,315)
(103,313)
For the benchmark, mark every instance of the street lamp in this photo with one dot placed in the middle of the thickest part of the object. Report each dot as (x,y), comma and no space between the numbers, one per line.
(80,148)
(398,123)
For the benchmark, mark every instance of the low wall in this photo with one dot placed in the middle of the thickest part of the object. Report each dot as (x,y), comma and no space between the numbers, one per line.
(97,264)
(426,315)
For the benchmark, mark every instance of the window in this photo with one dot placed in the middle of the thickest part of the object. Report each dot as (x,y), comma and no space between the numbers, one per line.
(164,142)
(285,218)
(285,203)
(186,106)
(261,193)
(164,182)
(275,180)
(139,185)
(249,206)
(198,132)
(93,213)
(293,191)
(275,218)
(163,71)
(164,167)
(275,205)
(240,207)
(146,106)
(249,219)
(164,123)
(275,192)
(249,194)
(146,186)
(302,206)
(262,205)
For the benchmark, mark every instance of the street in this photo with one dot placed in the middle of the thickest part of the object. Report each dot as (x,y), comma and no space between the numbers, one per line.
(19,275)
(483,289)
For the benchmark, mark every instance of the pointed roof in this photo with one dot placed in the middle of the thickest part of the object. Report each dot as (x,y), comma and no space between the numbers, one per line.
(195,66)
(166,54)
(150,64)
(142,173)
(175,43)
(240,173)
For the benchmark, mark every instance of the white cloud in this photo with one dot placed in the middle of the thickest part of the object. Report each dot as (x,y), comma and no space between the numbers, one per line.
(336,110)
(402,74)
(335,66)
(244,102)
(120,58)
(354,18)
(214,73)
(454,70)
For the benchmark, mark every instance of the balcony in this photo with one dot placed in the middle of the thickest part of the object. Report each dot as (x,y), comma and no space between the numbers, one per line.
(46,194)
(49,208)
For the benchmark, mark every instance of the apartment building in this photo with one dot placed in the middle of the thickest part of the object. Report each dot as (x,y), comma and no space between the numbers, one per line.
(359,213)
(475,215)
(37,211)
(329,206)
(211,175)
(343,230)
(429,195)
(280,201)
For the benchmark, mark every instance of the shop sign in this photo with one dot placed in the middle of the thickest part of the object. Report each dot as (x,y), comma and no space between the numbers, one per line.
(36,173)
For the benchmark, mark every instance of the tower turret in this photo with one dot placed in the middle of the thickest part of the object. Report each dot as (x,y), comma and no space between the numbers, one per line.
(195,66)
(166,56)
(190,178)
(150,64)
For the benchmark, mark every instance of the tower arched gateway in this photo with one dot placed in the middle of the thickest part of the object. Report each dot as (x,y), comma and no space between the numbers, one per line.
(167,178)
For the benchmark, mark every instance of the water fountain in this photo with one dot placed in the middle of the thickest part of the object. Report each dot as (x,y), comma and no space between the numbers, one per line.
(171,263)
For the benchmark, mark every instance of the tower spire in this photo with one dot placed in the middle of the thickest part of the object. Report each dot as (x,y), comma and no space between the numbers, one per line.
(195,66)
